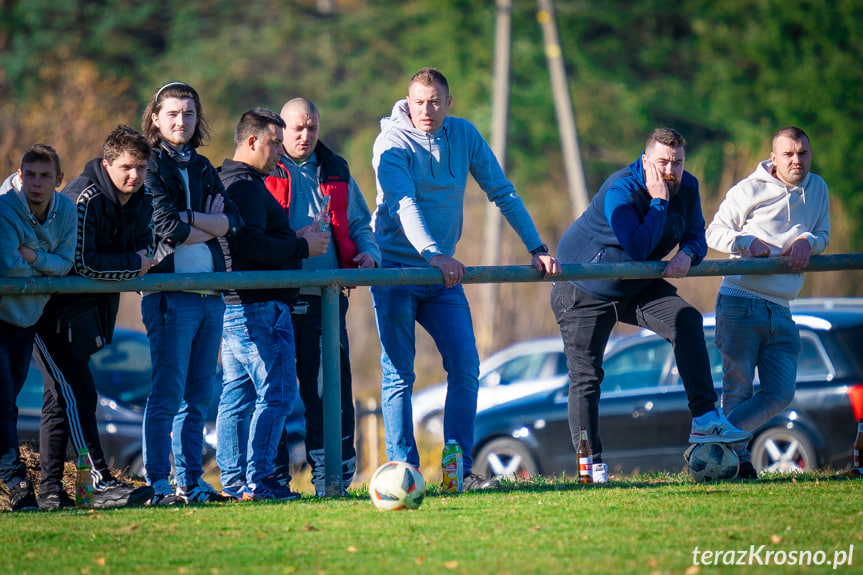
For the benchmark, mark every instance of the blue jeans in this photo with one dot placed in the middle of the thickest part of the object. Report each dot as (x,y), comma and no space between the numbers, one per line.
(445,315)
(184,331)
(754,333)
(259,387)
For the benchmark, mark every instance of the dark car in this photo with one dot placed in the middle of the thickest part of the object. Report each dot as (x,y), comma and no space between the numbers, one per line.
(645,422)
(122,375)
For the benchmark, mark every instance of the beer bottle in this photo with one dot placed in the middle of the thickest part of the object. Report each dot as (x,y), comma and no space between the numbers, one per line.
(858,448)
(585,458)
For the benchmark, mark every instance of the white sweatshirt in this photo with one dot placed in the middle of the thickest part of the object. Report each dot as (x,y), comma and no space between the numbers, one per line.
(762,206)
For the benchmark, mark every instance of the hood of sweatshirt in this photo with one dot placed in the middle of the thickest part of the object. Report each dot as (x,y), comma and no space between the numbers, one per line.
(13,195)
(400,121)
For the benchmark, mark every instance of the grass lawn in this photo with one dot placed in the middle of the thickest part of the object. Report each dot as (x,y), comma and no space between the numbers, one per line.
(641,524)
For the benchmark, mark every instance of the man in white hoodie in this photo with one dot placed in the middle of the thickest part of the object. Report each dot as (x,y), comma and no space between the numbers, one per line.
(37,238)
(781,209)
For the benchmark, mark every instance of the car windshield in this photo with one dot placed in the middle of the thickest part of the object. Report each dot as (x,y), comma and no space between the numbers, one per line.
(122,370)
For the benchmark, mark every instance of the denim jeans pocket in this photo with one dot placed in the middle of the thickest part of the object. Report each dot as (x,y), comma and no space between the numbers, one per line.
(733,308)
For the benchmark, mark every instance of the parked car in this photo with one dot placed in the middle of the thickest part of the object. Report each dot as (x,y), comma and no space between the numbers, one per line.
(644,417)
(513,372)
(122,375)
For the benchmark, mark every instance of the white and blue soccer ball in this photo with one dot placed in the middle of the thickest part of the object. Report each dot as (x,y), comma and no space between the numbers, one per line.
(397,485)
(710,462)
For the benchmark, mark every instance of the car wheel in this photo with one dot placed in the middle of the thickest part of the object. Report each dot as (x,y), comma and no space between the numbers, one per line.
(783,450)
(505,458)
(433,424)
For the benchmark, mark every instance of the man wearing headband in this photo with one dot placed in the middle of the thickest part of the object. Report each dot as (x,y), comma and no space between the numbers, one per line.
(191,211)
(641,213)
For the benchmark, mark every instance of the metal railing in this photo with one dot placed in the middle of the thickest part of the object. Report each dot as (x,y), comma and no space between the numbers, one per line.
(332,281)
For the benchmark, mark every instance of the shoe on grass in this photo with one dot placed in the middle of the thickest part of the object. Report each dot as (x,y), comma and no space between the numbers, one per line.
(21,497)
(474,482)
(718,430)
(269,488)
(117,494)
(234,492)
(201,492)
(55,501)
(163,494)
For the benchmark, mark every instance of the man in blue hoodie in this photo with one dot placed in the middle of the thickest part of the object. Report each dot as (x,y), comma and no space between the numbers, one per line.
(641,213)
(780,209)
(422,159)
(37,238)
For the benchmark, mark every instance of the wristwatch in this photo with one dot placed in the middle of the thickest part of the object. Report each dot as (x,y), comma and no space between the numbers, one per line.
(542,249)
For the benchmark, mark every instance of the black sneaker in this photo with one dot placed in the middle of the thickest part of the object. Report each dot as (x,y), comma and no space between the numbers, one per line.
(55,501)
(201,492)
(163,494)
(120,495)
(747,471)
(473,482)
(21,497)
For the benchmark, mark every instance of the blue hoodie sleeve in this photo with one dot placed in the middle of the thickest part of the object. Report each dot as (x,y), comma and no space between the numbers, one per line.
(637,235)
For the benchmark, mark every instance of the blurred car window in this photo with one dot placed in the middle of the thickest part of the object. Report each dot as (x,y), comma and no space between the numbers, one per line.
(122,370)
(637,366)
(813,361)
(523,367)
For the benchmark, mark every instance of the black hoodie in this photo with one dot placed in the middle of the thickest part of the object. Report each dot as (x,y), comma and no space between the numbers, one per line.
(266,241)
(108,236)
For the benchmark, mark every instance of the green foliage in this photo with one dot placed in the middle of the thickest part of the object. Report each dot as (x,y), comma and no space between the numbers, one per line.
(727,74)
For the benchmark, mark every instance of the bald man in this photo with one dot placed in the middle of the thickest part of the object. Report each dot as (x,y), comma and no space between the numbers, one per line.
(315,187)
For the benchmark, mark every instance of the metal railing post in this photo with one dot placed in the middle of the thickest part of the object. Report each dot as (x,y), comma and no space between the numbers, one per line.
(331,366)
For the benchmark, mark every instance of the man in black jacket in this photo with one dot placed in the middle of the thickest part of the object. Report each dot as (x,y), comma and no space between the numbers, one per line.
(259,371)
(114,242)
(191,212)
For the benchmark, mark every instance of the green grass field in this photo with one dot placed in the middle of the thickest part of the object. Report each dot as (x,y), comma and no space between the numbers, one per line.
(641,524)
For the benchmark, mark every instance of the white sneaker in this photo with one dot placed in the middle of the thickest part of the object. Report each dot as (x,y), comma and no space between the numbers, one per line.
(719,430)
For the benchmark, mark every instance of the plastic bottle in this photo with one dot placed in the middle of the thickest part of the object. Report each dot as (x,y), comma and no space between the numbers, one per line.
(452,466)
(585,458)
(858,448)
(84,480)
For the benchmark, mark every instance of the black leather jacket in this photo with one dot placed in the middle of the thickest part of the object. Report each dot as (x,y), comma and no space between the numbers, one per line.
(169,200)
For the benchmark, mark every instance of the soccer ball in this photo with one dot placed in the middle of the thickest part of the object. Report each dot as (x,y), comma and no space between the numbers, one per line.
(713,462)
(397,485)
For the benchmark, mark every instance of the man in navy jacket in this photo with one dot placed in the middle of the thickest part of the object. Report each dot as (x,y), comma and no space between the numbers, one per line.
(641,213)
(258,358)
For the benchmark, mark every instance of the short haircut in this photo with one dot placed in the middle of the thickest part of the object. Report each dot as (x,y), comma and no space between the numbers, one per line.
(254,122)
(306,106)
(791,132)
(125,139)
(41,153)
(174,90)
(667,136)
(429,77)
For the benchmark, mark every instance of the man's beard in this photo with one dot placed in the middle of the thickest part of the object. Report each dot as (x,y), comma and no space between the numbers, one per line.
(672,184)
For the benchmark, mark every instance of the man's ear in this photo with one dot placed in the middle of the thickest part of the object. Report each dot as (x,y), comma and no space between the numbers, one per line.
(59,180)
